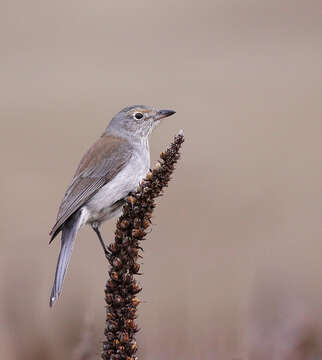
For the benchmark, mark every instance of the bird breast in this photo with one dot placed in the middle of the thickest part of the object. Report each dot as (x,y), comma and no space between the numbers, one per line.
(99,208)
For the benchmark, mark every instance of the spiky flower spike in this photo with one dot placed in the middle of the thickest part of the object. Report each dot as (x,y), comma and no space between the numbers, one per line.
(122,288)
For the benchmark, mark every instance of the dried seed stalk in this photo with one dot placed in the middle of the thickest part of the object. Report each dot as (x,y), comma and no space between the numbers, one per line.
(122,288)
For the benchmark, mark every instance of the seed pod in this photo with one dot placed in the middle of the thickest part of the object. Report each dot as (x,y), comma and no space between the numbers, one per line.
(131,200)
(134,252)
(137,223)
(113,248)
(124,337)
(110,316)
(127,278)
(114,275)
(148,215)
(110,336)
(118,234)
(121,349)
(116,342)
(129,323)
(124,224)
(117,263)
(138,233)
(117,300)
(115,357)
(133,345)
(135,301)
(135,288)
(112,326)
(108,298)
(132,313)
(135,268)
(125,241)
(111,284)
(145,223)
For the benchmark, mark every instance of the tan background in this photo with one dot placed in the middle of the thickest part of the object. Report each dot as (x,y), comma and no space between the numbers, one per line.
(232,268)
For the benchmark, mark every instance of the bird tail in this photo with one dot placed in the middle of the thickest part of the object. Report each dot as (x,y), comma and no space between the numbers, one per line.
(69,232)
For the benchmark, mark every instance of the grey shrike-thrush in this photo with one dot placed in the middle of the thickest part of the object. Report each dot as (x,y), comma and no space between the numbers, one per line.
(111,169)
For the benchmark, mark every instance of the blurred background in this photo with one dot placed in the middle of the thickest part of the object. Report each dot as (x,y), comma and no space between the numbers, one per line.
(232,268)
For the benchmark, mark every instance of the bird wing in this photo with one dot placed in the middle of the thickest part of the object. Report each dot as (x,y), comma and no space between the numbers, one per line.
(99,165)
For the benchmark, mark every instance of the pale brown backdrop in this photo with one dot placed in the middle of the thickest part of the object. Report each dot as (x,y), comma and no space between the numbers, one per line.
(232,268)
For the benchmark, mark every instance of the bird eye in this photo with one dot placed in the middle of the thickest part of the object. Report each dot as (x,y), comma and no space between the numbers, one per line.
(138,115)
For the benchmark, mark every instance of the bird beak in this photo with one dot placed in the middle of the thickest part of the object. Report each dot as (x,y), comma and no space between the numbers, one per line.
(163,114)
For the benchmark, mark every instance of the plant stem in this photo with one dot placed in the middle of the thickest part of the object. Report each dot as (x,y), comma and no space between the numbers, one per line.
(121,287)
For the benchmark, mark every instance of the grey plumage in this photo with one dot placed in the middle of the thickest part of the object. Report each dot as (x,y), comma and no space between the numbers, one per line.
(98,166)
(111,168)
(69,233)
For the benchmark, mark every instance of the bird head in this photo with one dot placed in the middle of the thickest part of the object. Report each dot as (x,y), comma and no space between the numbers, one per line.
(137,121)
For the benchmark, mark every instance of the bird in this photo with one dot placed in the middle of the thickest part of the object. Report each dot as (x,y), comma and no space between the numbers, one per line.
(110,170)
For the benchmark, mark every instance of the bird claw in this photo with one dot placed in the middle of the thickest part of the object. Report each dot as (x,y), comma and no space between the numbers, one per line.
(108,255)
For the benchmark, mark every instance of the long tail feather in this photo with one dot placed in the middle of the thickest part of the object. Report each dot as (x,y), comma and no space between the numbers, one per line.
(69,232)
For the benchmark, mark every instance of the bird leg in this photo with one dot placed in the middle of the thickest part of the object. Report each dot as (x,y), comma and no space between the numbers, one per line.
(106,252)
